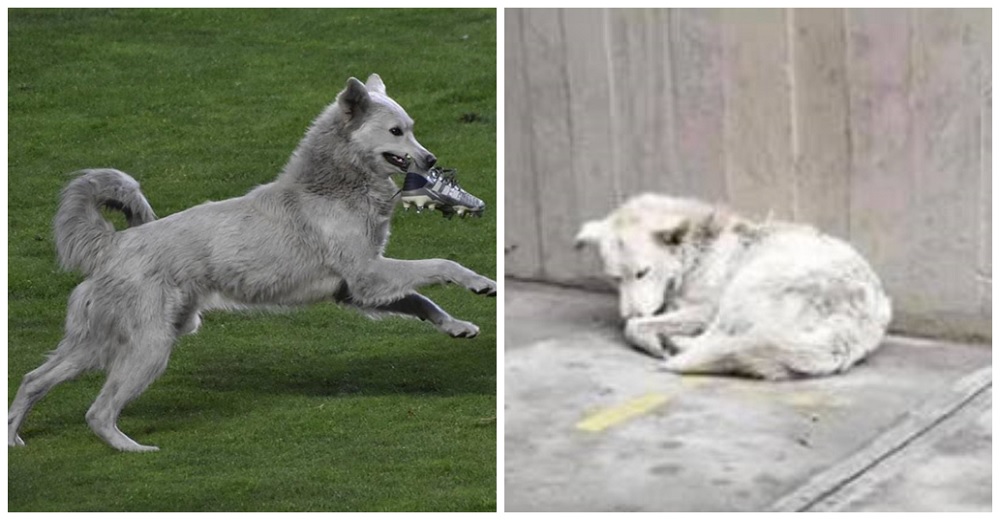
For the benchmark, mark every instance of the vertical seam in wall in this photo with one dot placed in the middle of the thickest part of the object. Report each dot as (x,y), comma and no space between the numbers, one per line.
(673,161)
(911,260)
(723,35)
(616,186)
(536,199)
(565,75)
(792,107)
(573,186)
(911,150)
(985,97)
(566,83)
(849,116)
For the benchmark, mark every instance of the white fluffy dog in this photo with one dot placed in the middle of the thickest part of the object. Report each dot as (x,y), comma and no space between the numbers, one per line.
(715,293)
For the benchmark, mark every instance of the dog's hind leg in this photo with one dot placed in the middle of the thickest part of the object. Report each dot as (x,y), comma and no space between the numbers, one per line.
(420,306)
(138,365)
(63,364)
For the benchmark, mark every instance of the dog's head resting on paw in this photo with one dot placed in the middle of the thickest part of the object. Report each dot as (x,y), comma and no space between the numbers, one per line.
(646,247)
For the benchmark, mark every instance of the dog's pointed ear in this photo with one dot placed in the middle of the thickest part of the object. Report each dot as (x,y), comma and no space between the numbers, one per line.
(708,227)
(374,84)
(354,99)
(590,233)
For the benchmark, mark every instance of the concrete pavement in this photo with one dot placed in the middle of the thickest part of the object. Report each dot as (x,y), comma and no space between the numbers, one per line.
(592,425)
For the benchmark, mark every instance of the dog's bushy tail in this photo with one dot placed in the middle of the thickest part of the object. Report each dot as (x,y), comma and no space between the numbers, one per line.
(722,354)
(82,233)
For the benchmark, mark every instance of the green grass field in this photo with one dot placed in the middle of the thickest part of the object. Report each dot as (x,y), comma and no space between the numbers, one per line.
(310,409)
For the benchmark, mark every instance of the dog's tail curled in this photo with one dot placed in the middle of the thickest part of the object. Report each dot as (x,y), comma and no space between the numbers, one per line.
(82,233)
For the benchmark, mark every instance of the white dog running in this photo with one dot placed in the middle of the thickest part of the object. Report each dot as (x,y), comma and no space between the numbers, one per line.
(715,293)
(317,233)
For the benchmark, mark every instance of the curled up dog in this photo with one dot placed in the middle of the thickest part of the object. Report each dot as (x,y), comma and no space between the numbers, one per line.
(317,233)
(712,292)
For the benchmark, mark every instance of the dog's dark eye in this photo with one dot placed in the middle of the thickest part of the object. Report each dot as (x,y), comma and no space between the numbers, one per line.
(396,131)
(673,238)
(642,274)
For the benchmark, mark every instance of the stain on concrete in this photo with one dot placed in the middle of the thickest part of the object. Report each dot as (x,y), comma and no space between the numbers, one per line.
(666,469)
(768,480)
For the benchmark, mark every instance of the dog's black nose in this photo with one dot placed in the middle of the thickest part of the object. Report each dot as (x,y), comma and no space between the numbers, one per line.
(431,160)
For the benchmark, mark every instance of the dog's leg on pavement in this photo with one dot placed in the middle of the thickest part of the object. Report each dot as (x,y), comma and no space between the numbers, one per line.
(690,320)
(650,333)
(420,306)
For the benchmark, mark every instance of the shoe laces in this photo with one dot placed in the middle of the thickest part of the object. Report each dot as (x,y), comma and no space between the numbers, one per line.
(449,176)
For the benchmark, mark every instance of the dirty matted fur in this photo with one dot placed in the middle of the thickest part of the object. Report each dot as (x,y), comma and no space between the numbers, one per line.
(316,233)
(712,292)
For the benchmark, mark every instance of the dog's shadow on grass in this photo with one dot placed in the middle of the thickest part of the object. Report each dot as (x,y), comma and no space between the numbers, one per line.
(211,377)
(385,365)
(229,383)
(226,384)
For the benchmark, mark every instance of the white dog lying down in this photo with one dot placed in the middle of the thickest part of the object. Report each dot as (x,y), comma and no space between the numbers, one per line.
(715,293)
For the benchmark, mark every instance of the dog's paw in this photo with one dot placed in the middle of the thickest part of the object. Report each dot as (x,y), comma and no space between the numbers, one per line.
(15,441)
(460,329)
(644,338)
(138,448)
(483,286)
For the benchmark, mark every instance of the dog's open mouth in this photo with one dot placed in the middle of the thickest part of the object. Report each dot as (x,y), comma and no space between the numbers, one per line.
(403,163)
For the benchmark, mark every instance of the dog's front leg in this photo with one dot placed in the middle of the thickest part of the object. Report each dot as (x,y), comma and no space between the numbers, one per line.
(420,306)
(386,280)
(653,333)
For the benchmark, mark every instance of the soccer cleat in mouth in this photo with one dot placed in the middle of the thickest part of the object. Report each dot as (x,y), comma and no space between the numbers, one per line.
(403,163)
(440,190)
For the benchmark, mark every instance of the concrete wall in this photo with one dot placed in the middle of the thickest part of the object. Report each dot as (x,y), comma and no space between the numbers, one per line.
(874,125)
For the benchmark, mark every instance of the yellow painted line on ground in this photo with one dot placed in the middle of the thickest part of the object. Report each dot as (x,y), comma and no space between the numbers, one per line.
(608,417)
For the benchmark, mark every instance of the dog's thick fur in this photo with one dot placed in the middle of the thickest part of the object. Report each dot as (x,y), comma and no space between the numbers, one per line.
(316,233)
(715,293)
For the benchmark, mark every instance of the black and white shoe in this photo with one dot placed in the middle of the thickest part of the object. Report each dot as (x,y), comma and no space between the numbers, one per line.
(439,190)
